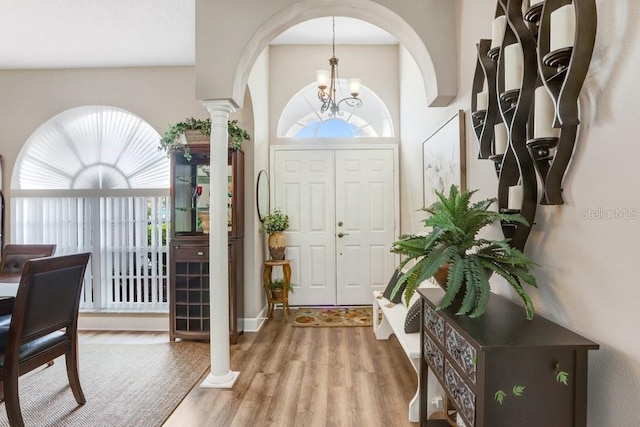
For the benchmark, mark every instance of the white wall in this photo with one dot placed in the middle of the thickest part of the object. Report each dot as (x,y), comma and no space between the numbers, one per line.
(423,26)
(588,274)
(159,95)
(254,244)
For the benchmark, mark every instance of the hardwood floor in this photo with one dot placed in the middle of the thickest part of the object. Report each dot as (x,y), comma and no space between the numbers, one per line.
(299,377)
(307,377)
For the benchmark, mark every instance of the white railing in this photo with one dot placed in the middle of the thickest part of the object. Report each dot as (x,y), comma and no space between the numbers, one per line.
(127,236)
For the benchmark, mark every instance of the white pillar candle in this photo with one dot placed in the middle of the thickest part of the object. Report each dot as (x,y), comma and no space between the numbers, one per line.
(500,139)
(482,101)
(513,67)
(498,28)
(516,197)
(563,27)
(545,113)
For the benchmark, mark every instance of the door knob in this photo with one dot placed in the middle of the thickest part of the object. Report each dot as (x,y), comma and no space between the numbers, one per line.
(340,224)
(341,235)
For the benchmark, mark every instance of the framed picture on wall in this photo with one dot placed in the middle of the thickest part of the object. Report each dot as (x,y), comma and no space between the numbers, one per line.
(443,159)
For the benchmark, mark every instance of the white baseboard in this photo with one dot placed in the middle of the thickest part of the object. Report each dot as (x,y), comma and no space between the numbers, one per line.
(255,324)
(156,322)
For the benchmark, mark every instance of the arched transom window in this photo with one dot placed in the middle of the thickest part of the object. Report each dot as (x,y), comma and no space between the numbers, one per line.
(301,118)
(93,147)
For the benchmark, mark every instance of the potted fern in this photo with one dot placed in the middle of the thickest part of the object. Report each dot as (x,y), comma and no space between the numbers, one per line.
(460,261)
(197,130)
(276,287)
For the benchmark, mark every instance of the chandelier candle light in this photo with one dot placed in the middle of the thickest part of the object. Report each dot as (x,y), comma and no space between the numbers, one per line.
(327,85)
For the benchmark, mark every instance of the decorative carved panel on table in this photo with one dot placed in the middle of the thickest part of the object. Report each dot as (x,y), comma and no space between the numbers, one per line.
(501,370)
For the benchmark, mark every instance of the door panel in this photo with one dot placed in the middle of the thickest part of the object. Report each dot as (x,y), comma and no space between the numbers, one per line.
(365,204)
(321,189)
(304,189)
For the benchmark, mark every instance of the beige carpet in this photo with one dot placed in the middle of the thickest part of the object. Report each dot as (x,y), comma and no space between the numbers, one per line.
(125,385)
(332,316)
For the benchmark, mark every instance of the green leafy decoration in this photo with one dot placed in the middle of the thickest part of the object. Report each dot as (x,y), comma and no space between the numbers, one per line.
(500,396)
(276,220)
(171,140)
(518,390)
(562,377)
(452,241)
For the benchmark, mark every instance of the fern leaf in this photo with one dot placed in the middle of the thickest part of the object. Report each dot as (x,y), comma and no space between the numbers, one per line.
(562,377)
(483,288)
(454,281)
(470,294)
(518,390)
(528,304)
(436,259)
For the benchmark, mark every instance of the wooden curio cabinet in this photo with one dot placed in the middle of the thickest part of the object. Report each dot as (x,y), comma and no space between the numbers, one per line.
(189,259)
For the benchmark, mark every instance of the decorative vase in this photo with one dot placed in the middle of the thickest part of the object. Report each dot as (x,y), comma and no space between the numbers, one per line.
(204,221)
(441,276)
(277,245)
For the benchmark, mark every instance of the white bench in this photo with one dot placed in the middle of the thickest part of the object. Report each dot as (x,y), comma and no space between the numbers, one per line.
(389,319)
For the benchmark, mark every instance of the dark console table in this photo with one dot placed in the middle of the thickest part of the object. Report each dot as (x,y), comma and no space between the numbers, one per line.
(501,369)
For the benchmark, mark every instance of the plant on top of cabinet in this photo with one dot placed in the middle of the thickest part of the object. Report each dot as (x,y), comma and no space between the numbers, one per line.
(460,261)
(198,130)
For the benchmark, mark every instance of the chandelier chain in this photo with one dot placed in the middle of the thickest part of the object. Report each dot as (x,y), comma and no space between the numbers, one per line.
(328,98)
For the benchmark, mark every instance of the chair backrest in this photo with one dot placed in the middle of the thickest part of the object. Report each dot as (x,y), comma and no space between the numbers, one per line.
(14,256)
(48,296)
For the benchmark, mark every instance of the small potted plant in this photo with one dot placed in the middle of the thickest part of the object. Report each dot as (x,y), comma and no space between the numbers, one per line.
(274,224)
(191,129)
(276,287)
(458,260)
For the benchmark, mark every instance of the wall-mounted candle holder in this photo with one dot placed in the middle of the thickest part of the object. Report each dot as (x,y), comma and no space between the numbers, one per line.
(484,108)
(516,81)
(565,46)
(533,14)
(539,62)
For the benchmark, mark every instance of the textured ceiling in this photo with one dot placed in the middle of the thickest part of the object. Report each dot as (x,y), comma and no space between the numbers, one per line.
(126,33)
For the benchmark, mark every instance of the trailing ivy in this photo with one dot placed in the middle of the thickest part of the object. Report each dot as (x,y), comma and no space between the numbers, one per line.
(172,140)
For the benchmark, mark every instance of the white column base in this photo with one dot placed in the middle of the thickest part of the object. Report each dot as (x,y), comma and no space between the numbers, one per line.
(224,381)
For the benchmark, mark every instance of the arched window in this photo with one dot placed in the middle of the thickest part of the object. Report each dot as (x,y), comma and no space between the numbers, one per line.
(301,118)
(92,179)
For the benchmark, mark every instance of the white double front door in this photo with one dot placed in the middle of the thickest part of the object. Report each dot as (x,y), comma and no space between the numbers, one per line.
(342,205)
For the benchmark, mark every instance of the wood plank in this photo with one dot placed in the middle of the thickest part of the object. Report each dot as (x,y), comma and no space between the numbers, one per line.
(306,377)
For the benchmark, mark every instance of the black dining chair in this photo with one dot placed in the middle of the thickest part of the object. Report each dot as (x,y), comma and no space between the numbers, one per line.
(42,325)
(15,255)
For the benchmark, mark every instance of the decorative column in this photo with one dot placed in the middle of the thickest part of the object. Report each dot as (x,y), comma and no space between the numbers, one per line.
(221,375)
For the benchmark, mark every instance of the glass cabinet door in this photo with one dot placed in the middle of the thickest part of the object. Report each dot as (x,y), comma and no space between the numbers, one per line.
(191,195)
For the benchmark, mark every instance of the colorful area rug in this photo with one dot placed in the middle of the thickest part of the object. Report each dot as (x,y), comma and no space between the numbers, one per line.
(333,316)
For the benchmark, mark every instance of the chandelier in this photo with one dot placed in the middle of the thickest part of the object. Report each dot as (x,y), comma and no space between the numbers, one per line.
(327,85)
